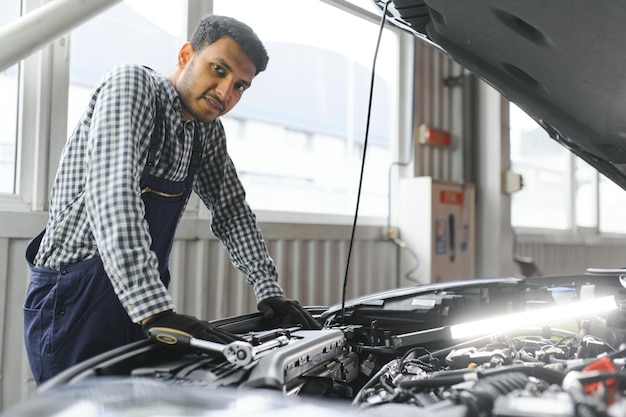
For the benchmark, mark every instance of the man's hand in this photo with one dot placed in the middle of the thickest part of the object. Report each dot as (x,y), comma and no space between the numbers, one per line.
(285,311)
(200,329)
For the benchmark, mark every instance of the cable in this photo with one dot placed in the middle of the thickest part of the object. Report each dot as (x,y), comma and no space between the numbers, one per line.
(409,274)
(367,129)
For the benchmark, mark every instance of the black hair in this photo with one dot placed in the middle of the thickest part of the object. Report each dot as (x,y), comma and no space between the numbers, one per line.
(215,27)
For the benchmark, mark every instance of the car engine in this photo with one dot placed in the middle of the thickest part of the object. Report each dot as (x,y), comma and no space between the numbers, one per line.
(393,352)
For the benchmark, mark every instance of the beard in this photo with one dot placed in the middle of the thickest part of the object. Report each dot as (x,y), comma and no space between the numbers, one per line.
(193,102)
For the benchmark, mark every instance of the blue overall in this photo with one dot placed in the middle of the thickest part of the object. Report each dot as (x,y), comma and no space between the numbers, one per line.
(73,314)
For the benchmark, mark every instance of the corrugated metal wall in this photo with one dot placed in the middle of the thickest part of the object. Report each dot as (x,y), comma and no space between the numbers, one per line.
(436,104)
(311,260)
(572,259)
(16,381)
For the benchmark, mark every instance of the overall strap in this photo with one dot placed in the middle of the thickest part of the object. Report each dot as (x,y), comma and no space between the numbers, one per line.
(155,143)
(159,126)
(196,152)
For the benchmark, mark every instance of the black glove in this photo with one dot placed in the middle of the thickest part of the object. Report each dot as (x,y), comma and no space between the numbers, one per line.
(200,329)
(284,311)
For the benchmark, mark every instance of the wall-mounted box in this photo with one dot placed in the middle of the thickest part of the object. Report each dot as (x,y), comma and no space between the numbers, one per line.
(437,221)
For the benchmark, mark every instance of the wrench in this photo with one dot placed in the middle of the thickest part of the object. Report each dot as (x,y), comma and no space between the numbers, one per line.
(238,353)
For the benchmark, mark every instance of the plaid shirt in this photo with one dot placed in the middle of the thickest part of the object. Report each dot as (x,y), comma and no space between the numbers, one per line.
(96,208)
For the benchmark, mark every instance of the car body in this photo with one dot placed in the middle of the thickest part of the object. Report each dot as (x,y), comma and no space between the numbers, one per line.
(398,351)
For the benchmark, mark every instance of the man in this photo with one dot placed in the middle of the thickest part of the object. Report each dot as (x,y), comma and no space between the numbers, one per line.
(99,271)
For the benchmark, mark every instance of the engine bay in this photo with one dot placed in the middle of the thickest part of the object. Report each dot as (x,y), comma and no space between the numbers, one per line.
(395,351)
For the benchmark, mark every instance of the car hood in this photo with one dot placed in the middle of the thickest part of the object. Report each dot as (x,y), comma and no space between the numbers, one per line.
(559,61)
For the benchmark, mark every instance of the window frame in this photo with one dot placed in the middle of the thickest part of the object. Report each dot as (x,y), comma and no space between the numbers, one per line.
(573,233)
(39,82)
(403,125)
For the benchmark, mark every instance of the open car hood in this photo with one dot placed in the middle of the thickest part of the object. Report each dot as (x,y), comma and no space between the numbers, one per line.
(560,61)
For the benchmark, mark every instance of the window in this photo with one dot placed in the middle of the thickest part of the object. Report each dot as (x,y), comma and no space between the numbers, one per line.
(544,165)
(586,197)
(561,191)
(612,202)
(146,32)
(9,81)
(297,135)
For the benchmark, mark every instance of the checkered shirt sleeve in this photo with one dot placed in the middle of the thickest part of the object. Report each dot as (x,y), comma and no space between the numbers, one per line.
(233,222)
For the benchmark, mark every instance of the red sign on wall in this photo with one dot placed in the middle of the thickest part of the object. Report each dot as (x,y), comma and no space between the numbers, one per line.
(451,197)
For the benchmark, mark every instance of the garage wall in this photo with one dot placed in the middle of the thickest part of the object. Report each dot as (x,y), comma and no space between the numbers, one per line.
(311,260)
(438,87)
(567,258)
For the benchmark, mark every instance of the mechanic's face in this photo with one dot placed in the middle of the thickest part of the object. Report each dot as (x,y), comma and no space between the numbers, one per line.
(211,81)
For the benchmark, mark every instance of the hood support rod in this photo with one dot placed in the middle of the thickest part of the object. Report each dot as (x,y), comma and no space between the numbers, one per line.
(34,30)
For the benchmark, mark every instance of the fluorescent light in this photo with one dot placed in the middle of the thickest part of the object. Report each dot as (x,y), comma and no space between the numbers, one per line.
(533,317)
